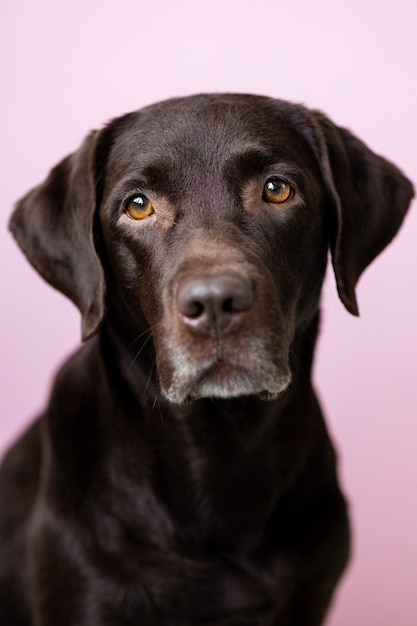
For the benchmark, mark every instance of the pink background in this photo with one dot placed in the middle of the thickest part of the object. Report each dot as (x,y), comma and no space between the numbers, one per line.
(68,67)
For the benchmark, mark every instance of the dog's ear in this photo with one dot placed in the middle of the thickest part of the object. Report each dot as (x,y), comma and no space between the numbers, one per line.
(53,225)
(369,198)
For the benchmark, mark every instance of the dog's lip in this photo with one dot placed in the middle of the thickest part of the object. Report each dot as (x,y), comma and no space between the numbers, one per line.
(216,370)
(221,374)
(227,377)
(221,368)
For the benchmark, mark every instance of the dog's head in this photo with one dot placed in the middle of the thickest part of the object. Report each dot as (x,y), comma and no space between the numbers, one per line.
(209,219)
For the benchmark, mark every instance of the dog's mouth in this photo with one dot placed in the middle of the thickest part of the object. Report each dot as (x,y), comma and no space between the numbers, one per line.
(226,378)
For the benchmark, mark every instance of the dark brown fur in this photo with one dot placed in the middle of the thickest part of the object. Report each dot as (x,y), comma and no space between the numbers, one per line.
(182,473)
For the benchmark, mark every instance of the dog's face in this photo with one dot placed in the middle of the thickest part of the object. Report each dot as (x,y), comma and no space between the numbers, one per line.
(212,217)
(213,223)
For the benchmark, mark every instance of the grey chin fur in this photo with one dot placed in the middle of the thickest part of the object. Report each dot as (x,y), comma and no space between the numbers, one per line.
(183,394)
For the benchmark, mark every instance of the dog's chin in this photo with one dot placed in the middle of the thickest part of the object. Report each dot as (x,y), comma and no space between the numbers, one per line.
(226,381)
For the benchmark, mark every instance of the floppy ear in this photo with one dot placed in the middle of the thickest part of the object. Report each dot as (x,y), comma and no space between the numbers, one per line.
(370,198)
(53,225)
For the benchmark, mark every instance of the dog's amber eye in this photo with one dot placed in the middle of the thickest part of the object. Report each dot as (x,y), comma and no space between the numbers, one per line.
(277,190)
(139,207)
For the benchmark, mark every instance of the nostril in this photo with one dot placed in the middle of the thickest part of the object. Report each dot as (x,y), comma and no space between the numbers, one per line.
(193,309)
(192,298)
(228,305)
(239,297)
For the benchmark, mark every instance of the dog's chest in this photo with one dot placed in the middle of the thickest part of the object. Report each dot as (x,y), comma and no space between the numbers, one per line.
(219,498)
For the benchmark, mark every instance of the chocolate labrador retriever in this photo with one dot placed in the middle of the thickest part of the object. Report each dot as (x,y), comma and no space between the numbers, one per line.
(182,473)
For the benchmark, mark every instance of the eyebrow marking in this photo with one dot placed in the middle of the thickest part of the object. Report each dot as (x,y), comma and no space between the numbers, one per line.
(250,162)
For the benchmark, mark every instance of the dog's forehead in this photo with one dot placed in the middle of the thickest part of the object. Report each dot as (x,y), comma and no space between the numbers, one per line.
(207,130)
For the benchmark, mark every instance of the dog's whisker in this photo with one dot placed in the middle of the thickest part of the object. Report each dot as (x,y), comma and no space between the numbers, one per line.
(151,371)
(148,333)
(140,350)
(139,337)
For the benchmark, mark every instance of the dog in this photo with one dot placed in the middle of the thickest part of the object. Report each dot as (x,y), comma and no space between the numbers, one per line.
(182,473)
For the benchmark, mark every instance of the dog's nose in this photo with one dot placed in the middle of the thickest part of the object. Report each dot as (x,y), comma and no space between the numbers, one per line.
(214,303)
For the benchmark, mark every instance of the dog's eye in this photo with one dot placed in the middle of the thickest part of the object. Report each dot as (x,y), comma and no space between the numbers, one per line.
(277,190)
(139,207)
